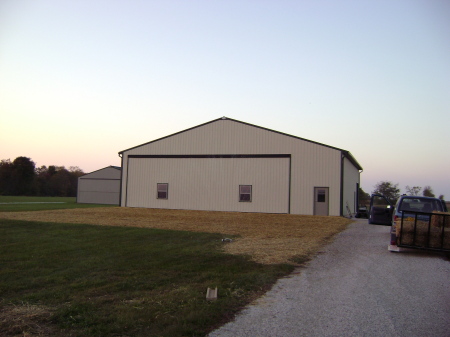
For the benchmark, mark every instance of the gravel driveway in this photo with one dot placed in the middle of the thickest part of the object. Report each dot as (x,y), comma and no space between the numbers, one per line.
(355,287)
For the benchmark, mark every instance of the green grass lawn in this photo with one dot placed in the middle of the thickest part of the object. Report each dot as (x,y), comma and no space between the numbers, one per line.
(18,204)
(85,280)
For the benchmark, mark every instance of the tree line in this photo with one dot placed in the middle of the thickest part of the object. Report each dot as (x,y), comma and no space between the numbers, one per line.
(22,177)
(392,192)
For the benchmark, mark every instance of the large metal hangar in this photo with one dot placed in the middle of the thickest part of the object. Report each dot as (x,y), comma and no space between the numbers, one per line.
(100,187)
(229,165)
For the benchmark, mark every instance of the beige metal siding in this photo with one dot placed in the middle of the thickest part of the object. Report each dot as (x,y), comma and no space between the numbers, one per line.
(318,167)
(351,178)
(222,137)
(311,164)
(100,187)
(210,183)
(91,193)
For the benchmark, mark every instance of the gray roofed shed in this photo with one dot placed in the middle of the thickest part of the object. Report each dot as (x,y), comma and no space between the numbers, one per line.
(100,187)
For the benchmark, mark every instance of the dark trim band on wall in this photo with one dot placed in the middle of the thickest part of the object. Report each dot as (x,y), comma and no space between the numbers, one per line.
(121,180)
(341,212)
(356,205)
(210,156)
(99,178)
(126,190)
(289,196)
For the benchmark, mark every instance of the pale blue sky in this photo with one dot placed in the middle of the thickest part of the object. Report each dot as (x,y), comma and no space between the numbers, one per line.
(83,80)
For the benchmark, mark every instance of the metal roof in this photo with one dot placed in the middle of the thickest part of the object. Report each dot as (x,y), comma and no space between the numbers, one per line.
(345,153)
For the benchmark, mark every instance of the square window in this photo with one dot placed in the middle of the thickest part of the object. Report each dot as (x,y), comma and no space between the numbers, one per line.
(321,196)
(162,191)
(245,193)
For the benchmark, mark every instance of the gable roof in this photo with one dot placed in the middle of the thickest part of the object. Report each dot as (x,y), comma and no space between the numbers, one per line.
(104,168)
(345,153)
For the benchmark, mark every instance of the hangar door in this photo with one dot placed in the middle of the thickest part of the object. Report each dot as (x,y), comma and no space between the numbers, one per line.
(214,183)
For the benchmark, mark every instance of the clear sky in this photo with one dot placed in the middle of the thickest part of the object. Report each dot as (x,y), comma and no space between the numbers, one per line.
(82,80)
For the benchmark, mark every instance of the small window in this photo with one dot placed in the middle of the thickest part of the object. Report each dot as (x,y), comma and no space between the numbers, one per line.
(162,191)
(321,196)
(245,193)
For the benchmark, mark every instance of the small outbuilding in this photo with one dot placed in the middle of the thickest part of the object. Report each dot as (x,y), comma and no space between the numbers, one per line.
(100,187)
(229,165)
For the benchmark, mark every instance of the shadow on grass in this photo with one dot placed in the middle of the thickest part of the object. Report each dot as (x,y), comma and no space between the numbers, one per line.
(100,281)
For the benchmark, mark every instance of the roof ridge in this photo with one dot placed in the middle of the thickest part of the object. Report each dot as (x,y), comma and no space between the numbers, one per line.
(344,152)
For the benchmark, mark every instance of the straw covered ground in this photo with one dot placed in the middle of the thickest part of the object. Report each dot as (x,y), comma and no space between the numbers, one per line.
(267,238)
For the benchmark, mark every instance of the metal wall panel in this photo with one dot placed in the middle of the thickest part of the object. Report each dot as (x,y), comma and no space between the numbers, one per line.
(92,197)
(351,178)
(210,183)
(100,187)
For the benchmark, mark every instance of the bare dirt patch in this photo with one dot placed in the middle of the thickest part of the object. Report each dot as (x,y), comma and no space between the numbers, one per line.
(267,238)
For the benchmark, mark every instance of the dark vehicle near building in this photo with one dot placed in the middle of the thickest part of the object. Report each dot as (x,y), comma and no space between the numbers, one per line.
(417,222)
(362,212)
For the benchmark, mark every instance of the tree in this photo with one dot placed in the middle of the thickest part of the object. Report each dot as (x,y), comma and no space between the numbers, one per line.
(60,183)
(75,172)
(22,175)
(415,190)
(363,198)
(63,182)
(441,197)
(43,175)
(6,168)
(388,189)
(428,192)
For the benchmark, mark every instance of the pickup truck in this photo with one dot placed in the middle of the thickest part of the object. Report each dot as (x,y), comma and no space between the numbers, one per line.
(416,222)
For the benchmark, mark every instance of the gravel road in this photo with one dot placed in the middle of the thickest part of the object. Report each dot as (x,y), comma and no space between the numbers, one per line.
(355,287)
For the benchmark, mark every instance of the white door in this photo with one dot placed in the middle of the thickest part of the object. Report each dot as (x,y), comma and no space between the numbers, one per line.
(321,201)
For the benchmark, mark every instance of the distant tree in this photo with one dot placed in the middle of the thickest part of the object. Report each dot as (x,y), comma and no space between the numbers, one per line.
(428,192)
(441,197)
(52,169)
(22,176)
(75,172)
(415,190)
(60,184)
(388,189)
(64,182)
(43,175)
(363,198)
(6,185)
